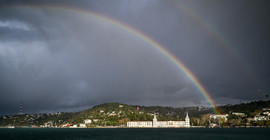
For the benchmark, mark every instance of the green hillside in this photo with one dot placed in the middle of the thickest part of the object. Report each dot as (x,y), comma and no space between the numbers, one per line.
(117,114)
(247,108)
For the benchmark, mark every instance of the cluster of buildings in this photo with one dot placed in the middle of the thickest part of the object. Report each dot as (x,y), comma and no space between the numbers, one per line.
(242,119)
(219,116)
(81,125)
(156,123)
(263,116)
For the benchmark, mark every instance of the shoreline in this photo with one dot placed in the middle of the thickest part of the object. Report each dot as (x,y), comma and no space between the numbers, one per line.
(130,127)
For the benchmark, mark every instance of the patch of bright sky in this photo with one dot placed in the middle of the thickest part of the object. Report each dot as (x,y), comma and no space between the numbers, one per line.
(14,24)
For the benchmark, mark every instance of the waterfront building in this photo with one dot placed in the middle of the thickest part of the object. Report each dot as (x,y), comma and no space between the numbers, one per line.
(139,124)
(156,123)
(48,124)
(82,125)
(74,126)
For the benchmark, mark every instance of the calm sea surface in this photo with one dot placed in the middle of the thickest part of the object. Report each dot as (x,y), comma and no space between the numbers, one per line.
(135,133)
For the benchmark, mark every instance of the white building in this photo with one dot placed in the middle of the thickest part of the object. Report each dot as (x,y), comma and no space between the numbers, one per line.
(214,116)
(82,125)
(239,114)
(74,126)
(266,109)
(112,114)
(139,124)
(87,121)
(260,118)
(48,124)
(156,123)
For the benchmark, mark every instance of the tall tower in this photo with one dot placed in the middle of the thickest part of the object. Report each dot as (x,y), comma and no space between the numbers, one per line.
(155,121)
(187,122)
(21,108)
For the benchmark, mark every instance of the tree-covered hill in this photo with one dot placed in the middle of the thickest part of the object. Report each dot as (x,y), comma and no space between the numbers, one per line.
(115,114)
(246,108)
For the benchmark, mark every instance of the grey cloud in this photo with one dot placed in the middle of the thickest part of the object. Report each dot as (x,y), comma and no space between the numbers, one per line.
(67,62)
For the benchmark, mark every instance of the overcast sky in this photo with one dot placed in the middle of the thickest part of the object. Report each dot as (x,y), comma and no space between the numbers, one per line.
(56,59)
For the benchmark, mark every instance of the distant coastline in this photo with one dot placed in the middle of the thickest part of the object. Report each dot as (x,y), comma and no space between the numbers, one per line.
(117,115)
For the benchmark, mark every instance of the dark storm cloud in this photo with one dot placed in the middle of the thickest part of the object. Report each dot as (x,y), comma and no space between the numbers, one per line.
(88,64)
(56,60)
(236,70)
(245,27)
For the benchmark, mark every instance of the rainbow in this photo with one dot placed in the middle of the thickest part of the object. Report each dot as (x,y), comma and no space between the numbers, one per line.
(180,65)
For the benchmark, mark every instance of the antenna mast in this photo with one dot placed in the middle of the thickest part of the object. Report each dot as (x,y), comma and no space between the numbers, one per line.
(21,108)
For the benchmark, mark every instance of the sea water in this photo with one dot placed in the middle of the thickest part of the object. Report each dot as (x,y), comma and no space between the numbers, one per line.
(135,133)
